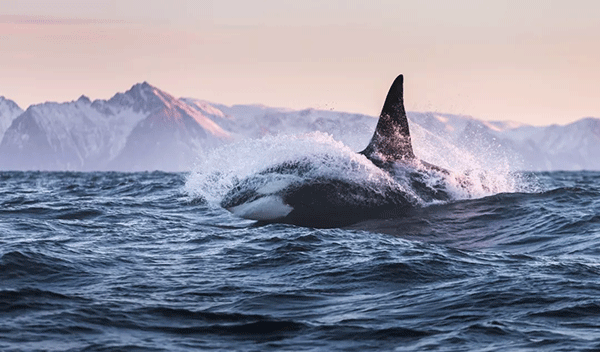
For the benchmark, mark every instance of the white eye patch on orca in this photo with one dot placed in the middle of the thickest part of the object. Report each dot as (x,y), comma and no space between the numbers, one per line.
(269,208)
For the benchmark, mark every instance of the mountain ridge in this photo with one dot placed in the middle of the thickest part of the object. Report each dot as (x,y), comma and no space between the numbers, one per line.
(85,135)
(145,128)
(9,110)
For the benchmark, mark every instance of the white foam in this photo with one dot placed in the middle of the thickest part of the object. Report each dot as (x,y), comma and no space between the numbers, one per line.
(222,169)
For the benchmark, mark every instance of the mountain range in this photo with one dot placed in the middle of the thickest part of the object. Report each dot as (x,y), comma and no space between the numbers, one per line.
(146,128)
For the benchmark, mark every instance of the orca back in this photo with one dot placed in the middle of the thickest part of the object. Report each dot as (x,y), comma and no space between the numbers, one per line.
(391,141)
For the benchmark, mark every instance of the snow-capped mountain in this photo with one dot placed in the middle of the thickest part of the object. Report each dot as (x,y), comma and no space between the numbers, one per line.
(9,110)
(145,128)
(85,135)
(575,146)
(171,137)
(67,136)
(256,121)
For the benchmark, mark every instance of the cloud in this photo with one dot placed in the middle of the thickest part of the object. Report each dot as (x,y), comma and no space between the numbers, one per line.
(48,20)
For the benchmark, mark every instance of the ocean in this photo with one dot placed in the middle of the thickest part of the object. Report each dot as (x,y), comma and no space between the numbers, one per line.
(105,261)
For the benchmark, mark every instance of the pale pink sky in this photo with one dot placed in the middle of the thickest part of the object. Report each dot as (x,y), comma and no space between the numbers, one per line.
(536,62)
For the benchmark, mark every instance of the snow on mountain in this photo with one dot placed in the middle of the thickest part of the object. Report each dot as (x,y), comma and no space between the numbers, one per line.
(145,128)
(170,138)
(9,110)
(256,121)
(575,146)
(85,135)
(67,136)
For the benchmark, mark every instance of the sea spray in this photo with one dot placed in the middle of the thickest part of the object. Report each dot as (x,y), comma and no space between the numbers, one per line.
(224,167)
(321,156)
(477,168)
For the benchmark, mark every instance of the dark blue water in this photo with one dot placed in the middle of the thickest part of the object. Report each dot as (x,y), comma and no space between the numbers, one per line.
(133,262)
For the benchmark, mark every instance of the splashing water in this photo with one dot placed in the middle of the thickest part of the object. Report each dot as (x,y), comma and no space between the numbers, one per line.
(324,157)
(223,167)
(477,170)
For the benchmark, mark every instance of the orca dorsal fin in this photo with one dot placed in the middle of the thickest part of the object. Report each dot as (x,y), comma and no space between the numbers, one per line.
(391,140)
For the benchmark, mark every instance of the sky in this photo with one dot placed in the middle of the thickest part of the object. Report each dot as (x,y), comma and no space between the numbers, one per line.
(535,62)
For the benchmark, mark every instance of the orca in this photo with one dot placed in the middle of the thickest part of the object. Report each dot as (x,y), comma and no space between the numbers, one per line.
(278,195)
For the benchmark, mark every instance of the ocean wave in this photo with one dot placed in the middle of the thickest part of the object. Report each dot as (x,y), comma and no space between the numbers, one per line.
(110,261)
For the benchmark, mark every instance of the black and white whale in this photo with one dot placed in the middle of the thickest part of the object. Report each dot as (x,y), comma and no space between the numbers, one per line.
(291,193)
